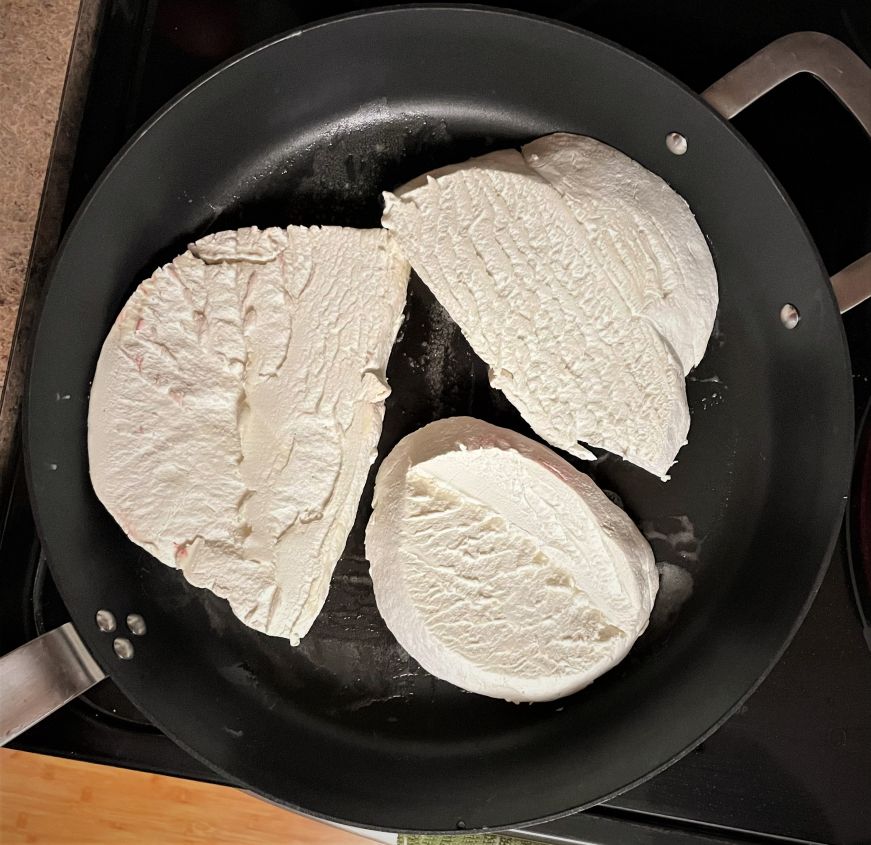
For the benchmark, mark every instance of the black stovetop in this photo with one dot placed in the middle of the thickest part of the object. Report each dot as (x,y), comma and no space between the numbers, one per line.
(795,762)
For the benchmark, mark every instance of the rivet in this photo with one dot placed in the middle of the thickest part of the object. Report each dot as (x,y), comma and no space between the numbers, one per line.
(789,315)
(136,624)
(676,143)
(106,621)
(123,648)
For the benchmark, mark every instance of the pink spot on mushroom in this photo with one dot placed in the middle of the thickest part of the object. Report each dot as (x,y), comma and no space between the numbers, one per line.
(123,519)
(139,323)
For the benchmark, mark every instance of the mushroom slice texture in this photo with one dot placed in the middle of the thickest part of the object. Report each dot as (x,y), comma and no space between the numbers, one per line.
(236,410)
(580,278)
(502,569)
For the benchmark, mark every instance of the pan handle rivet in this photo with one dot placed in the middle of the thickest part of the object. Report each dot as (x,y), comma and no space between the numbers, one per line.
(136,624)
(461,825)
(106,621)
(676,143)
(789,315)
(123,648)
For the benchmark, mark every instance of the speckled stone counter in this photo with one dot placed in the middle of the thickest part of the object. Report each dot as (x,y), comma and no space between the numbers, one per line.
(35,41)
(46,50)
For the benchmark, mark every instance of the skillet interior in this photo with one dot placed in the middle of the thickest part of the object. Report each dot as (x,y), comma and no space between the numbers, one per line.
(308,130)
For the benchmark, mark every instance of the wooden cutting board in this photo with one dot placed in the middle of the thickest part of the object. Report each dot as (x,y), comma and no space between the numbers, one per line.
(61,802)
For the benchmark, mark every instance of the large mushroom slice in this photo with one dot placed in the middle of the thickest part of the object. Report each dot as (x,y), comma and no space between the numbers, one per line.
(237,406)
(502,569)
(581,279)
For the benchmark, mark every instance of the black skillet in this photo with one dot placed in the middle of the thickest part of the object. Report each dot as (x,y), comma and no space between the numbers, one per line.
(308,129)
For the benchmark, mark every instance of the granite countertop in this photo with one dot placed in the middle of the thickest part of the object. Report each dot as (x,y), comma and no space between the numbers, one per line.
(35,41)
(46,50)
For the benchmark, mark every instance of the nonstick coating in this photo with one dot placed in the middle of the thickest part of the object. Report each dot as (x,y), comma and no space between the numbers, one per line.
(309,129)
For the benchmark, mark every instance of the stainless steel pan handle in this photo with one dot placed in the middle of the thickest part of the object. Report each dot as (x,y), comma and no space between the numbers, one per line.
(41,676)
(842,72)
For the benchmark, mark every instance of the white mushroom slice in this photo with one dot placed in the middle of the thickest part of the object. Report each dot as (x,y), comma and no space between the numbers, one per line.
(507,258)
(237,406)
(502,569)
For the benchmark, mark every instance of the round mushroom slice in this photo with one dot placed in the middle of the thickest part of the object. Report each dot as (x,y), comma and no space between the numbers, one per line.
(502,569)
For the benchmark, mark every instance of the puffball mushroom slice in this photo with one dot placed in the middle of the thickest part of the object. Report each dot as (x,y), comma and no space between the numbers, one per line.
(502,569)
(581,279)
(237,406)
